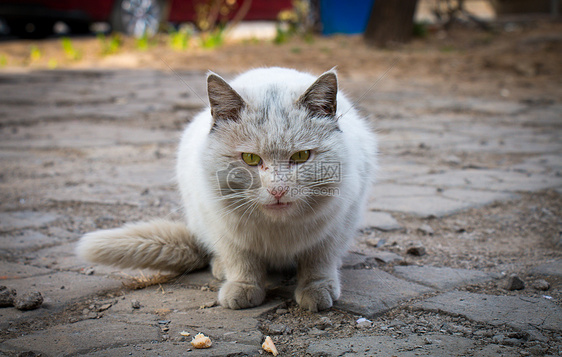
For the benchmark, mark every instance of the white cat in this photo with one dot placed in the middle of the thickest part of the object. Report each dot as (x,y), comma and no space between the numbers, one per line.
(274,174)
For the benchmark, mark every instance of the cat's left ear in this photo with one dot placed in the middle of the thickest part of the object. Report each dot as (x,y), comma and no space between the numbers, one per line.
(321,97)
(226,104)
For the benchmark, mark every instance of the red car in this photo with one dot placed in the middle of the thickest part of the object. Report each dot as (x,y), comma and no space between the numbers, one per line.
(36,18)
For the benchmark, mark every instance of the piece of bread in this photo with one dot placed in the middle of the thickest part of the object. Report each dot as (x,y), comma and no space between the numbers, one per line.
(201,341)
(269,346)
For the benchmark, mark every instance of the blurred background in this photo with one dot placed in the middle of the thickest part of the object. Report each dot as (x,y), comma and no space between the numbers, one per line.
(506,41)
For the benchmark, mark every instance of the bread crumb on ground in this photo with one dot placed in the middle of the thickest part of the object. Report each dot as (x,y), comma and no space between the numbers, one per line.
(269,346)
(201,341)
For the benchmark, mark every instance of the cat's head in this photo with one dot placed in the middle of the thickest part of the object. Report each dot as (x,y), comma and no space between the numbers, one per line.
(276,150)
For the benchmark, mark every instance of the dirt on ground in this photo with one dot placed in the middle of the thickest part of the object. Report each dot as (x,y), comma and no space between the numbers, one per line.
(513,60)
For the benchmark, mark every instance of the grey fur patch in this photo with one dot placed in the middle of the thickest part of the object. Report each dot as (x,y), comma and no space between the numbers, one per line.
(320,97)
(226,103)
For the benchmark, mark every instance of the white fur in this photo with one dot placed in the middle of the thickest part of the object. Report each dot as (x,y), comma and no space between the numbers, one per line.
(242,236)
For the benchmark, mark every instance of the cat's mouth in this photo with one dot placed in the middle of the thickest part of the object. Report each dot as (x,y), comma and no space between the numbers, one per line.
(278,206)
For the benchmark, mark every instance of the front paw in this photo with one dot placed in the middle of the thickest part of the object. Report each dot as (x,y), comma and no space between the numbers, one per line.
(235,295)
(318,295)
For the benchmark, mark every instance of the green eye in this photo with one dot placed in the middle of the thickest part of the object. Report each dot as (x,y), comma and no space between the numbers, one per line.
(300,157)
(251,159)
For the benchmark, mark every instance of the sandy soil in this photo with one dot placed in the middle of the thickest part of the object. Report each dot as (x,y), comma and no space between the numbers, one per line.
(466,60)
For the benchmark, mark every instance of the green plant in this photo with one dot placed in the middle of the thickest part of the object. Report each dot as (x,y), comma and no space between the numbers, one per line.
(212,39)
(179,40)
(294,22)
(110,45)
(52,64)
(281,35)
(70,52)
(35,53)
(144,42)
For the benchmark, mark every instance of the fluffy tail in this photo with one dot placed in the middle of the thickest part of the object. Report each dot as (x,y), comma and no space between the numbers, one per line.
(158,244)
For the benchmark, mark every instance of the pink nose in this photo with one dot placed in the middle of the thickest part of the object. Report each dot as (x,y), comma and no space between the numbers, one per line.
(278,192)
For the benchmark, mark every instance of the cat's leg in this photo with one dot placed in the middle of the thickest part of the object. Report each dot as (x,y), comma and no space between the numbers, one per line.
(245,280)
(318,283)
(218,268)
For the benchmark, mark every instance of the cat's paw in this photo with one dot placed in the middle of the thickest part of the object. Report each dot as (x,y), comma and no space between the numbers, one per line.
(235,295)
(317,295)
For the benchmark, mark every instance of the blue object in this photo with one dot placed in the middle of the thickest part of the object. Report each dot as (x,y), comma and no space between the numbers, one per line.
(345,17)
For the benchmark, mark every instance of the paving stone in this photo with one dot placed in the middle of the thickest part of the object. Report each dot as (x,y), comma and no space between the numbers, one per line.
(552,268)
(225,324)
(80,338)
(485,106)
(393,168)
(61,288)
(151,175)
(441,278)
(495,180)
(353,259)
(59,257)
(527,314)
(25,219)
(540,164)
(373,292)
(523,143)
(424,201)
(169,296)
(370,258)
(80,134)
(408,137)
(27,239)
(407,346)
(99,193)
(478,198)
(387,257)
(13,271)
(218,349)
(380,220)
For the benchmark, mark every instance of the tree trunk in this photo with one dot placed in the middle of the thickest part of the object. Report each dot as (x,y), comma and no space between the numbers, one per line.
(390,21)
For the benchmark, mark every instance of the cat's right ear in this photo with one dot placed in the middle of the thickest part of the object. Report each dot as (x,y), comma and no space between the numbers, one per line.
(226,104)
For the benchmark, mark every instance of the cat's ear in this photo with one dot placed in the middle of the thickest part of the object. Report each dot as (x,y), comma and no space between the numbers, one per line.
(226,104)
(321,97)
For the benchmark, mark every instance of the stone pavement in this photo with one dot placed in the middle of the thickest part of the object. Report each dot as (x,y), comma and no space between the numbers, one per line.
(86,150)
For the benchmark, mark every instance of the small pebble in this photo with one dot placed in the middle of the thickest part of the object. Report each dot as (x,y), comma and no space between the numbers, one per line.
(324,323)
(317,332)
(426,229)
(416,251)
(135,304)
(514,282)
(541,284)
(363,323)
(454,160)
(7,296)
(29,301)
(104,307)
(276,329)
(498,338)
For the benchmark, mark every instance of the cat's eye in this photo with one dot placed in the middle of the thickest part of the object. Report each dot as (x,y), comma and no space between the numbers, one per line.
(300,157)
(251,159)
